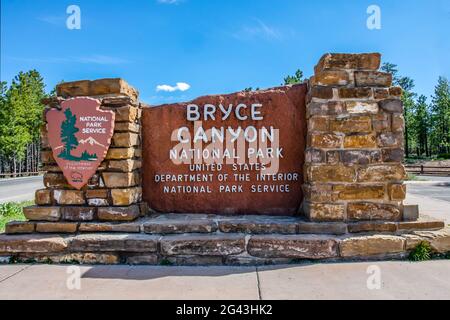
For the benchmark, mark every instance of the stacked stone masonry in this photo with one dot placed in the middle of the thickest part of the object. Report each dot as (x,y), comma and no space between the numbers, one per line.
(353,189)
(353,167)
(209,239)
(114,193)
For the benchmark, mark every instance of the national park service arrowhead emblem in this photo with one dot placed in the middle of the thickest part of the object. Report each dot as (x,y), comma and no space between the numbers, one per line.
(80,135)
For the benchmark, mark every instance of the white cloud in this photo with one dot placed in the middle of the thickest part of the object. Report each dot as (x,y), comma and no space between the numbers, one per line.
(259,30)
(181,86)
(169,1)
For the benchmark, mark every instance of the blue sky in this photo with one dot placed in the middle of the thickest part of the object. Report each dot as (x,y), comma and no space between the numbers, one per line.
(217,46)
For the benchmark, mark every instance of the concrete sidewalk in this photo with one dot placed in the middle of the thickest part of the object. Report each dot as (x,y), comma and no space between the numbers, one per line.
(399,280)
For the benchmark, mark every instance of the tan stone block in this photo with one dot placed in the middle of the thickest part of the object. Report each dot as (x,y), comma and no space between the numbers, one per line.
(43,197)
(337,61)
(333,156)
(372,226)
(44,138)
(318,124)
(35,213)
(381,93)
(293,246)
(78,213)
(121,179)
(83,258)
(326,140)
(129,213)
(398,123)
(125,139)
(391,105)
(112,86)
(360,141)
(318,192)
(124,165)
(314,155)
(373,79)
(125,113)
(31,243)
(73,89)
(382,173)
(390,139)
(353,124)
(97,193)
(19,227)
(57,227)
(127,127)
(438,240)
(47,157)
(98,202)
(331,173)
(113,243)
(373,211)
(120,153)
(397,191)
(381,122)
(358,107)
(69,197)
(355,93)
(138,153)
(361,157)
(325,108)
(371,245)
(331,78)
(133,227)
(396,91)
(203,244)
(125,197)
(421,225)
(359,192)
(55,180)
(96,88)
(324,211)
(321,92)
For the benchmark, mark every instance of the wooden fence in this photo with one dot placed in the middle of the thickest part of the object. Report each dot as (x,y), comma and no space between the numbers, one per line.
(419,169)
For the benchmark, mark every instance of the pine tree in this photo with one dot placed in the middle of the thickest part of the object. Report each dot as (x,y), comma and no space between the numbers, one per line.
(297,78)
(68,131)
(422,126)
(440,110)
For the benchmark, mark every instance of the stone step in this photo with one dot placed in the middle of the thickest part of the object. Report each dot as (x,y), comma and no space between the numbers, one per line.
(216,248)
(188,223)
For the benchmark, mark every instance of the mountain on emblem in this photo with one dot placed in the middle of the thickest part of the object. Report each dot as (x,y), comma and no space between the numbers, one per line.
(91,141)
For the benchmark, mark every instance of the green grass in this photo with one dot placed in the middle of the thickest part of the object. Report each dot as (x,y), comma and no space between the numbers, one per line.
(12,211)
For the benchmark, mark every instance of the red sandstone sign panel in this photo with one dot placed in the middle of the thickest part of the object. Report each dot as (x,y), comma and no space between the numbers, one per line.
(240,153)
(80,134)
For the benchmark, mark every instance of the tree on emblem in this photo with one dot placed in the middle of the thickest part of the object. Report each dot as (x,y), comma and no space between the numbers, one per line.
(68,131)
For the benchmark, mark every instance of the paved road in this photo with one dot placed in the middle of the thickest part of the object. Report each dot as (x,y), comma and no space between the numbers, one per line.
(19,189)
(398,280)
(439,190)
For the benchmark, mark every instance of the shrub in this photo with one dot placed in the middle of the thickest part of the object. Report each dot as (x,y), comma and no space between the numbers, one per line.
(421,253)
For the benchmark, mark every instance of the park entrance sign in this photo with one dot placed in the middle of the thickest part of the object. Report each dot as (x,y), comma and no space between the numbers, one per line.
(79,134)
(306,171)
(230,154)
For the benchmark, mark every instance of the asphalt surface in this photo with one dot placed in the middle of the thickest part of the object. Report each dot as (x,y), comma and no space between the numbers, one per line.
(367,280)
(439,190)
(19,189)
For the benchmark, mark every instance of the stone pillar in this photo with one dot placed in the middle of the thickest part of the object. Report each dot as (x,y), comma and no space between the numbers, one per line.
(114,193)
(353,167)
